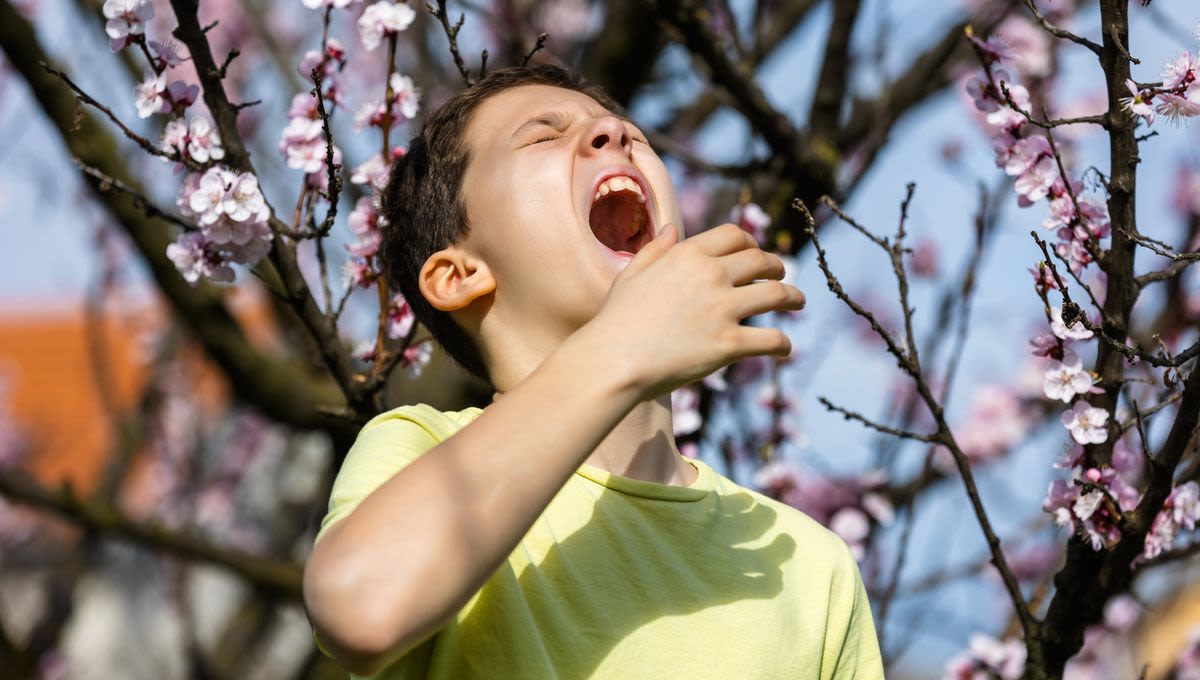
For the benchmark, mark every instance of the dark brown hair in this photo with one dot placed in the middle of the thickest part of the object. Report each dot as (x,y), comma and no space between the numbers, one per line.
(422,210)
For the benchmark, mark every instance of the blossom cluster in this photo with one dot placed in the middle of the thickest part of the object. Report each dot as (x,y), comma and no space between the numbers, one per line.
(403,97)
(125,21)
(847,506)
(1180,511)
(413,359)
(1178,97)
(383,19)
(995,422)
(303,143)
(194,140)
(986,658)
(1079,221)
(232,217)
(1094,500)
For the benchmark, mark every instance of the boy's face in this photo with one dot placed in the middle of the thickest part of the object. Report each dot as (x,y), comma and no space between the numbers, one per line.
(553,177)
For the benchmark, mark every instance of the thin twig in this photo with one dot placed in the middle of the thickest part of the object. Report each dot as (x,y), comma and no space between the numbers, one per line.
(1061,33)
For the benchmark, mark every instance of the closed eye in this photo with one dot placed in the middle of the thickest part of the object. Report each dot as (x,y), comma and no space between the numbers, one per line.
(548,138)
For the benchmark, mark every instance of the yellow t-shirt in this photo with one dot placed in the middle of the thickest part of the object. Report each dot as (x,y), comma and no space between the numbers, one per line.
(623,578)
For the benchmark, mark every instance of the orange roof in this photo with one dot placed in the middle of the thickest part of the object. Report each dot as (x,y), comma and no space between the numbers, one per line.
(48,369)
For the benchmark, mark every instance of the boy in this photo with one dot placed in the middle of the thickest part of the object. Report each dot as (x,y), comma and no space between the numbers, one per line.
(558,533)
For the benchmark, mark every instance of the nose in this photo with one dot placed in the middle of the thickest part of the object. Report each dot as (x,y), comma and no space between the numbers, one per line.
(607,133)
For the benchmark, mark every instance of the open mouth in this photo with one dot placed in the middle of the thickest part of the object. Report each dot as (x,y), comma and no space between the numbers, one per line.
(620,216)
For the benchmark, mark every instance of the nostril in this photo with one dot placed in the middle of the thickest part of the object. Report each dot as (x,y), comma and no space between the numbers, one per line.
(599,141)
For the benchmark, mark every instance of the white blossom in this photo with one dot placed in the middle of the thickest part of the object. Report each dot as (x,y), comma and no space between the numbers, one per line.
(1076,331)
(382,19)
(1086,423)
(1065,379)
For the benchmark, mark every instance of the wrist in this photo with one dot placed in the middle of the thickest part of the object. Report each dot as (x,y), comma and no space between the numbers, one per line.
(597,358)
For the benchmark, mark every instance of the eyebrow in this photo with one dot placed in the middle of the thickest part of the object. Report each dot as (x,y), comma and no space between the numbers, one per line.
(556,119)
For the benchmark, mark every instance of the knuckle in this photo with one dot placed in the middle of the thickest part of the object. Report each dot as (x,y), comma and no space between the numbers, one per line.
(767,262)
(777,292)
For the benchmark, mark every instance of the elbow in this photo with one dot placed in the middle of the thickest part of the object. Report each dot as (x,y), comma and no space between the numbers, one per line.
(360,627)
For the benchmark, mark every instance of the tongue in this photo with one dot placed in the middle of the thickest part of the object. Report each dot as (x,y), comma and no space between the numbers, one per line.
(616,220)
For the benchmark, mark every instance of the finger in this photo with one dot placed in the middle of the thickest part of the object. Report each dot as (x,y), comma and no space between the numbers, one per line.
(667,236)
(766,296)
(747,265)
(723,240)
(752,340)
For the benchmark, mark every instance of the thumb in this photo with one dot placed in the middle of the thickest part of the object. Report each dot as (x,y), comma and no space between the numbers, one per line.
(667,236)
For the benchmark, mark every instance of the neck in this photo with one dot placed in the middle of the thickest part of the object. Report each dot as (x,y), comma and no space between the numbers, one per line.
(642,446)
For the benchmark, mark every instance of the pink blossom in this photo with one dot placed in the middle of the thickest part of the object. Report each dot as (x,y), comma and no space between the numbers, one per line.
(1175,106)
(364,222)
(924,258)
(1139,103)
(416,356)
(846,506)
(153,95)
(1121,613)
(1180,71)
(753,219)
(1086,423)
(994,424)
(573,20)
(165,54)
(1076,331)
(303,106)
(364,351)
(357,274)
(405,95)
(194,139)
(382,19)
(1186,197)
(995,48)
(1034,166)
(1005,117)
(1030,46)
(685,410)
(319,178)
(986,658)
(1044,344)
(400,317)
(125,21)
(715,381)
(853,526)
(243,201)
(323,4)
(195,257)
(231,212)
(149,97)
(1065,379)
(373,172)
(203,144)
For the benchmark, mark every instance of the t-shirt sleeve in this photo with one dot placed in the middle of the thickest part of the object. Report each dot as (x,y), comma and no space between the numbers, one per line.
(851,646)
(384,446)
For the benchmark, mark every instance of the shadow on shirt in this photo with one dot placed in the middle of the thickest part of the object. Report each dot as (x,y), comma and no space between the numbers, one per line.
(600,590)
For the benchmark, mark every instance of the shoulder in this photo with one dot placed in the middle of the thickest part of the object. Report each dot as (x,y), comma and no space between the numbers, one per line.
(435,422)
(822,549)
(384,446)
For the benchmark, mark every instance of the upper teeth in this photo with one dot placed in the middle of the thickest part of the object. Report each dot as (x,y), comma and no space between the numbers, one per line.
(614,184)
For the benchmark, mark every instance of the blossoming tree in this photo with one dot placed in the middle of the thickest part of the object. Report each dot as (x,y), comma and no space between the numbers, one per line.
(282,201)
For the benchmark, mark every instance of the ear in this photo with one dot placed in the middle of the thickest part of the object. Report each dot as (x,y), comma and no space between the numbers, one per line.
(452,278)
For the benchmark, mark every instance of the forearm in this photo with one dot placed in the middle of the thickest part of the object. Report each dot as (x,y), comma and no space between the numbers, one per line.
(414,551)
